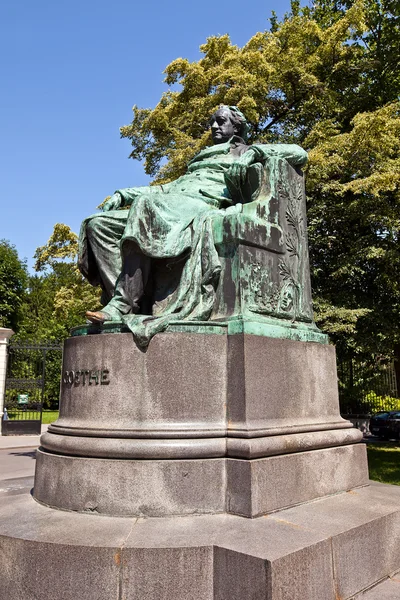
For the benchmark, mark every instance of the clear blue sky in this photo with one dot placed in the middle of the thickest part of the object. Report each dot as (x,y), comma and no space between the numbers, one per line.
(70,73)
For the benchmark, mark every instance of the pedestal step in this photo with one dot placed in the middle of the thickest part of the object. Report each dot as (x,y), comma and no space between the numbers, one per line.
(324,550)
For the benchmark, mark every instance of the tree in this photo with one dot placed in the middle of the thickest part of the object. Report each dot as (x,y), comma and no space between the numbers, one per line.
(13,280)
(354,219)
(58,296)
(284,80)
(327,77)
(56,300)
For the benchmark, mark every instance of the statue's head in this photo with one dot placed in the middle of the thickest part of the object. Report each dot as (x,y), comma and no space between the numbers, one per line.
(226,122)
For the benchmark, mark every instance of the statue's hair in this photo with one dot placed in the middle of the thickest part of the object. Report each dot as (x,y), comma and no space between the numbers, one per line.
(238,119)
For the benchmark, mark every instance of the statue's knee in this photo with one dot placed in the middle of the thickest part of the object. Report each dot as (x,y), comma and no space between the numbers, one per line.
(94,227)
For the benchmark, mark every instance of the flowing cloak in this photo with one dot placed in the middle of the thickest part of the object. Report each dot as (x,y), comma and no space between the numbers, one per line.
(175,220)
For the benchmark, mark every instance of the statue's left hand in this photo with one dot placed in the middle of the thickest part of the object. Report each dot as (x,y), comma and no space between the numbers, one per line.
(237,172)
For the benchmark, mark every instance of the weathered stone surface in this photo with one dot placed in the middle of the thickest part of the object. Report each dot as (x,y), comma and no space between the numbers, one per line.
(258,487)
(175,389)
(172,573)
(196,386)
(138,448)
(287,444)
(161,432)
(303,553)
(179,487)
(278,386)
(33,570)
(238,576)
(46,555)
(386,590)
(307,573)
(130,488)
(379,545)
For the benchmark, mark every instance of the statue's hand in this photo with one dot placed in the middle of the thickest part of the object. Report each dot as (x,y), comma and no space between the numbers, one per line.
(112,203)
(237,172)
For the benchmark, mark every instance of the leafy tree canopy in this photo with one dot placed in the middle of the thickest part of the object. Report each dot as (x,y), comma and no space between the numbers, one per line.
(13,281)
(58,296)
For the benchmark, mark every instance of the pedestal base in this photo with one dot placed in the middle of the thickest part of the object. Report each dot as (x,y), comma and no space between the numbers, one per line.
(324,550)
(156,488)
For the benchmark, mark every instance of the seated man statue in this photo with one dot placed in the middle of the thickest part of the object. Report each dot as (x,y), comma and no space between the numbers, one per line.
(169,228)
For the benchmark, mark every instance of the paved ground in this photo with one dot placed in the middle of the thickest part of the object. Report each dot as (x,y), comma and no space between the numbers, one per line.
(8,442)
(21,441)
(17,467)
(13,487)
(17,462)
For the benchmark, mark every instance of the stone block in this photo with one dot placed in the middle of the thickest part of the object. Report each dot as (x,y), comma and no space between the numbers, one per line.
(110,388)
(259,487)
(33,570)
(161,432)
(378,543)
(177,487)
(238,576)
(130,488)
(307,573)
(45,554)
(168,573)
(278,386)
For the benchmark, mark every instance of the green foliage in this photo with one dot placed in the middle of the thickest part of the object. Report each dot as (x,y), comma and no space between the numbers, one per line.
(376,402)
(353,188)
(13,281)
(62,244)
(58,298)
(284,80)
(326,77)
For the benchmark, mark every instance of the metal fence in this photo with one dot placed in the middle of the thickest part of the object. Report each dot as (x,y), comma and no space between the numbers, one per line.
(366,387)
(33,378)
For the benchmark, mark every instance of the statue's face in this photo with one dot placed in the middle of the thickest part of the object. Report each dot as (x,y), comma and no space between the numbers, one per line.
(222,128)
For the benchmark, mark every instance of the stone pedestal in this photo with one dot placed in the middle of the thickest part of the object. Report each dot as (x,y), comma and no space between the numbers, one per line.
(210,467)
(200,423)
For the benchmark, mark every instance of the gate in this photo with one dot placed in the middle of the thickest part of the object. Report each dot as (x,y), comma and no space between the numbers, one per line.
(31,369)
(366,387)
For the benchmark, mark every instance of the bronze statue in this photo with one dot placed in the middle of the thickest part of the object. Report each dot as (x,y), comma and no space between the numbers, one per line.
(157,262)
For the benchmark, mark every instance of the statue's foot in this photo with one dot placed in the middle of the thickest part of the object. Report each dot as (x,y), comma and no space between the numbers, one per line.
(97,317)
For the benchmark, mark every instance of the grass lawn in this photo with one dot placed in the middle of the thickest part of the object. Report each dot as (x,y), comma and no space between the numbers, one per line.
(48,416)
(384,462)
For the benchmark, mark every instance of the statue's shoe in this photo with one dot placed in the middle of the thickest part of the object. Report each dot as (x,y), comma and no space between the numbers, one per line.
(97,317)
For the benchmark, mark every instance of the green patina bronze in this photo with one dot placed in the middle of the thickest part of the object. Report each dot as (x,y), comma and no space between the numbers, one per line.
(225,243)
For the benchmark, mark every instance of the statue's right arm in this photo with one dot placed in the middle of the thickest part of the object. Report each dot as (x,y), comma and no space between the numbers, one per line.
(125,197)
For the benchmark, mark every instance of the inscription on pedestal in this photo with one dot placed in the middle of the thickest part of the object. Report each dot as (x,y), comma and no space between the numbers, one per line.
(86,377)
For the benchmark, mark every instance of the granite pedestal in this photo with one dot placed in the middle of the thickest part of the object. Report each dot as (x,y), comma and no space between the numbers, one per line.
(200,423)
(210,467)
